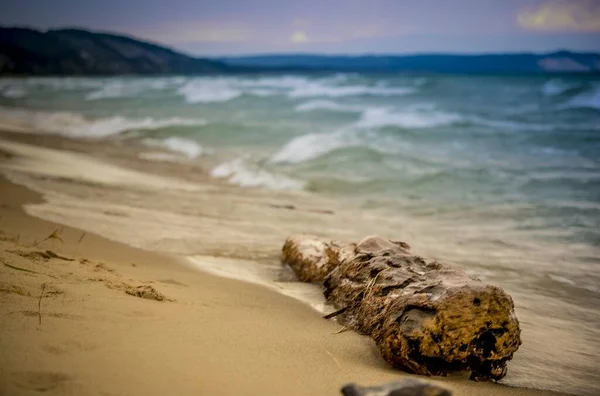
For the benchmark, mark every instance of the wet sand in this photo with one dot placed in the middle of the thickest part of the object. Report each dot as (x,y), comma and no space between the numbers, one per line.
(73,324)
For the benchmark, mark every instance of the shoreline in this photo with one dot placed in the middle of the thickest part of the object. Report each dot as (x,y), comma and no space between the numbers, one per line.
(243,324)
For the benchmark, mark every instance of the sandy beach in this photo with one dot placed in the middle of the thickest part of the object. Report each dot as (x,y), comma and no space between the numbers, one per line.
(109,286)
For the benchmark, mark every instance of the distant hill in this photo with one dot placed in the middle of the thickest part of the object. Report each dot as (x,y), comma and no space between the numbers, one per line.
(557,62)
(26,51)
(81,52)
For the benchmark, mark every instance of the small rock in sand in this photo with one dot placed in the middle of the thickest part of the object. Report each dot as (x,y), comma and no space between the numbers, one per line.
(409,387)
(147,292)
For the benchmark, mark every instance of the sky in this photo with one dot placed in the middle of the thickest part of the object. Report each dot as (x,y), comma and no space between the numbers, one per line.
(233,27)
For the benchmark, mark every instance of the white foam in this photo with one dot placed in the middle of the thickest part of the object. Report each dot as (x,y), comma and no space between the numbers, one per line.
(283,82)
(59,163)
(76,125)
(236,172)
(187,147)
(261,92)
(113,90)
(589,99)
(204,90)
(260,274)
(294,86)
(110,91)
(13,92)
(555,87)
(318,104)
(414,117)
(322,89)
(510,125)
(313,145)
(130,88)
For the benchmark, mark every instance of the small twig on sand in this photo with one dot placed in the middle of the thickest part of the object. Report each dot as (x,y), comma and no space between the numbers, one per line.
(336,313)
(26,270)
(81,237)
(54,235)
(344,328)
(21,269)
(40,303)
(334,359)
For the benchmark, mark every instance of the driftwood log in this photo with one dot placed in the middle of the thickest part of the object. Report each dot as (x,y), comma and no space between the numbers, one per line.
(426,318)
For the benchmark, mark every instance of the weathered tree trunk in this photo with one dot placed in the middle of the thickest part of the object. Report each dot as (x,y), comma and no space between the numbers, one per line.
(426,318)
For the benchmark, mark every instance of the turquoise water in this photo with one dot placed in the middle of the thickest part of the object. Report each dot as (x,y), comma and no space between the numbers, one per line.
(429,144)
(498,174)
(522,152)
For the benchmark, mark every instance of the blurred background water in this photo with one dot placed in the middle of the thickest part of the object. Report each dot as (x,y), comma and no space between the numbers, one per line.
(513,159)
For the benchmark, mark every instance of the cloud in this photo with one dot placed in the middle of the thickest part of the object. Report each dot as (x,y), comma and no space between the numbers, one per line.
(299,37)
(562,15)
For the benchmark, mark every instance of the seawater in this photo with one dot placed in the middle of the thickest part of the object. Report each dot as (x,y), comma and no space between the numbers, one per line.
(500,175)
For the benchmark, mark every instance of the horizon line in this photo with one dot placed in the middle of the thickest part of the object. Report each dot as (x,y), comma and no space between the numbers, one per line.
(400,54)
(298,54)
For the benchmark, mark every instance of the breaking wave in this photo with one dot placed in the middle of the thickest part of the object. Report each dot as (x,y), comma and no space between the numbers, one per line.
(13,91)
(589,99)
(187,147)
(77,125)
(421,116)
(279,83)
(313,105)
(556,87)
(320,89)
(313,145)
(237,172)
(208,91)
(127,89)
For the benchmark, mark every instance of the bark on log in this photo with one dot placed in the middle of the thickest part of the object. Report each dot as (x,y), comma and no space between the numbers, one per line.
(426,318)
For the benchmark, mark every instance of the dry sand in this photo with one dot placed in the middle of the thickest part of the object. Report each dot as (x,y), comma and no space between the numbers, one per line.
(73,321)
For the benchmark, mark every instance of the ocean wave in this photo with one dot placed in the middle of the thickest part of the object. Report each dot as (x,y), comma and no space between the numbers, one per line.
(238,173)
(64,83)
(313,145)
(77,125)
(589,99)
(290,84)
(322,89)
(422,116)
(13,91)
(127,89)
(114,90)
(283,82)
(260,92)
(190,148)
(313,105)
(227,88)
(209,91)
(510,125)
(556,87)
